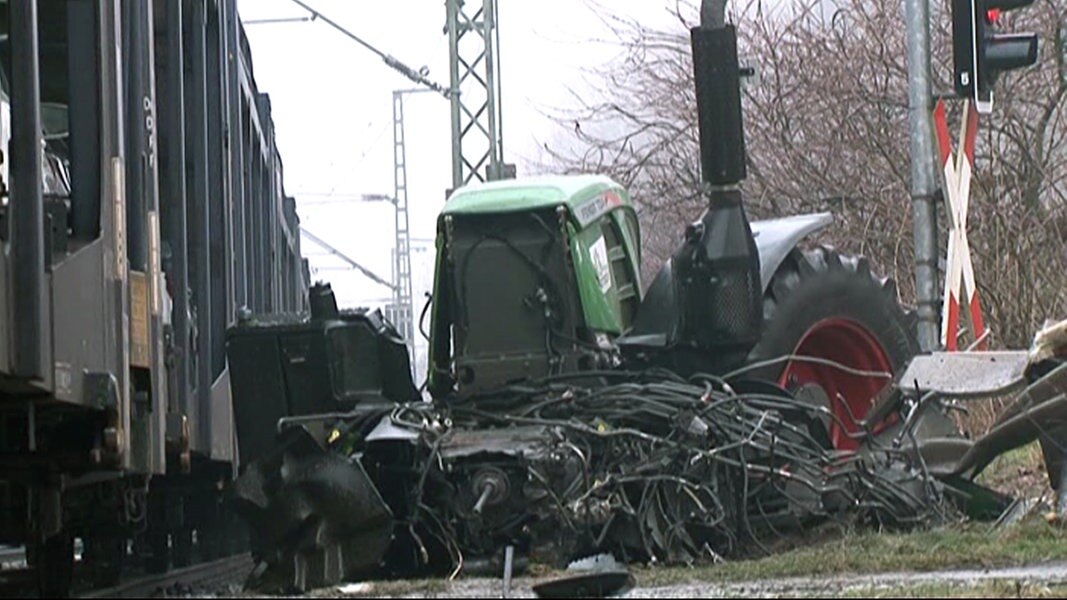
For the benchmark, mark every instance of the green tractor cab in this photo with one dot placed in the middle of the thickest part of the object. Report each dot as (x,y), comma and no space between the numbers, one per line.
(534,277)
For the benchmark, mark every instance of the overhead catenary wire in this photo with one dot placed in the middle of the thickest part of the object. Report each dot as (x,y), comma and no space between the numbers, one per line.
(418,77)
(334,251)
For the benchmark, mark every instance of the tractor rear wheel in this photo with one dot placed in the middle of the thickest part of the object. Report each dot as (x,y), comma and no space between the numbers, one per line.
(824,305)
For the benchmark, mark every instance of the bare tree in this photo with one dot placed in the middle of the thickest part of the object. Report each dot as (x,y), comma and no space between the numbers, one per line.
(826,130)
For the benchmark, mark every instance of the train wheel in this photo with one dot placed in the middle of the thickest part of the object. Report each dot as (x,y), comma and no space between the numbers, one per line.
(105,555)
(239,538)
(158,560)
(823,309)
(183,546)
(54,565)
(210,540)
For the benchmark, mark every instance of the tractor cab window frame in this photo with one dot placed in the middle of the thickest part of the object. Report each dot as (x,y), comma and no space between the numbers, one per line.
(351,380)
(624,279)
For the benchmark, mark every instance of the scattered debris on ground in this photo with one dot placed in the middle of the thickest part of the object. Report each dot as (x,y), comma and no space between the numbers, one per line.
(649,467)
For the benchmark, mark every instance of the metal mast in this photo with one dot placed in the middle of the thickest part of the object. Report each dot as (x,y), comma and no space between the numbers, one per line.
(923,174)
(473,51)
(405,313)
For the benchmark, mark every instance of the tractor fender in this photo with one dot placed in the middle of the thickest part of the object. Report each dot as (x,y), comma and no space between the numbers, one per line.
(776,238)
(657,320)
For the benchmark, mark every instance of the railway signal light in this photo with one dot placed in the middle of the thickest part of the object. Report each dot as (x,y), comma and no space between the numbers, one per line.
(981,52)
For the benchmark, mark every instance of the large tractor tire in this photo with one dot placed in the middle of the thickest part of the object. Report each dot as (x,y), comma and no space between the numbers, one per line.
(829,306)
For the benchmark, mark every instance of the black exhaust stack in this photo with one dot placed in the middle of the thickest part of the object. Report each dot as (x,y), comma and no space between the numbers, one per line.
(717,274)
(718,91)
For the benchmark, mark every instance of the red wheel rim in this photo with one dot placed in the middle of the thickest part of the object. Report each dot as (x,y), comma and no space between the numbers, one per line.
(851,396)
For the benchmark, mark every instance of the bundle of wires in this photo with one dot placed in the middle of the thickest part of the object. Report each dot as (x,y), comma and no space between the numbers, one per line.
(688,469)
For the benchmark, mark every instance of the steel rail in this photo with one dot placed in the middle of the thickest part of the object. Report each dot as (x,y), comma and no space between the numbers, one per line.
(206,574)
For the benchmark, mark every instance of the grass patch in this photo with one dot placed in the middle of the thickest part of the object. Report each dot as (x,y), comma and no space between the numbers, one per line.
(960,546)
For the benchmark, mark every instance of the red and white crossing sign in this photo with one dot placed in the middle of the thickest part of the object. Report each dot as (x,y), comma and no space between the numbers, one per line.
(957,172)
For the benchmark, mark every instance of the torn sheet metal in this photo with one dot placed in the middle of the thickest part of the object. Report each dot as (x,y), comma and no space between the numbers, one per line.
(387,430)
(1038,413)
(315,516)
(651,468)
(967,374)
(941,455)
(1049,342)
(592,584)
(514,441)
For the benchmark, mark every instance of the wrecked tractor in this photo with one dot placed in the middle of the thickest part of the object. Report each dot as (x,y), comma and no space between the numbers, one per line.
(754,389)
(358,478)
(570,415)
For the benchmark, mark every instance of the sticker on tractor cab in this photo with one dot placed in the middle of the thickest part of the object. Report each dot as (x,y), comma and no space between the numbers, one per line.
(598,253)
(594,208)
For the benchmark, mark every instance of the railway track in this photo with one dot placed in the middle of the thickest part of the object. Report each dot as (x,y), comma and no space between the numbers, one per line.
(199,576)
(11,554)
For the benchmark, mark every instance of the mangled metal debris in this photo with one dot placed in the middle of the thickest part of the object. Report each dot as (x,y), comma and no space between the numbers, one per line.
(967,374)
(598,576)
(646,466)
(594,584)
(1049,342)
(316,512)
(1038,412)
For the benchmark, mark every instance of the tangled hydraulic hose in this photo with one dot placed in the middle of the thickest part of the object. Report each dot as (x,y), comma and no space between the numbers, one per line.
(654,467)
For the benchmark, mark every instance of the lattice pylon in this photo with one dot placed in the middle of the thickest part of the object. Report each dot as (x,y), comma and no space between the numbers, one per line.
(475,84)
